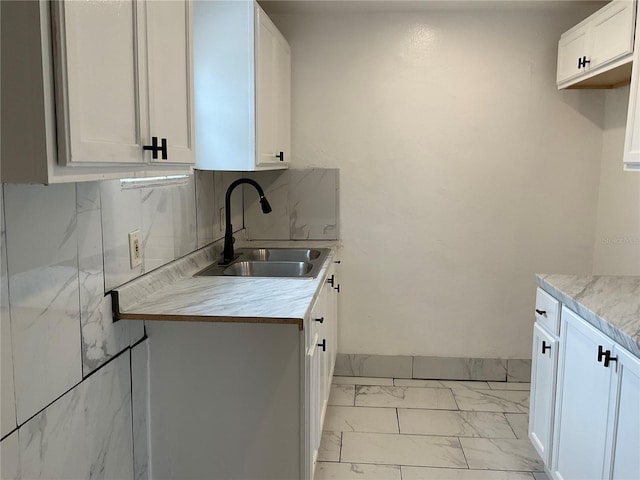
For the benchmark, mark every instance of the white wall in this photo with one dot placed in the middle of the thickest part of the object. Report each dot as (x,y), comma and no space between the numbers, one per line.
(617,249)
(463,170)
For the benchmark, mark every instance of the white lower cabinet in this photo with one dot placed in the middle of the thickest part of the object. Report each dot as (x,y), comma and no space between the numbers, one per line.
(543,372)
(623,459)
(592,429)
(583,401)
(239,401)
(320,357)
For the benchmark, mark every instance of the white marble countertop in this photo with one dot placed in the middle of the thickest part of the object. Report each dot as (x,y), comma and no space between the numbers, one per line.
(609,303)
(172,293)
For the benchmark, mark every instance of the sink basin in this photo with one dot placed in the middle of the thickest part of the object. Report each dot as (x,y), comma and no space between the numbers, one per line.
(268,269)
(282,254)
(271,262)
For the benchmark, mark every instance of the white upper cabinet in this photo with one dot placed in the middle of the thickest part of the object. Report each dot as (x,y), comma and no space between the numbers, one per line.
(104,87)
(242,88)
(596,53)
(170,77)
(632,136)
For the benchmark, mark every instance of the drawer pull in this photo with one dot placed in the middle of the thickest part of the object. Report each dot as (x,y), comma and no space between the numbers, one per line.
(545,347)
(331,280)
(323,344)
(541,312)
(319,320)
(606,356)
(583,62)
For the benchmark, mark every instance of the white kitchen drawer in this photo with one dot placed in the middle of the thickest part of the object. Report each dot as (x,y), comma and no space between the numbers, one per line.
(547,311)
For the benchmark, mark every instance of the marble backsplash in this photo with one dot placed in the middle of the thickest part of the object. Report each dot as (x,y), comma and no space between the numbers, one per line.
(305,205)
(72,380)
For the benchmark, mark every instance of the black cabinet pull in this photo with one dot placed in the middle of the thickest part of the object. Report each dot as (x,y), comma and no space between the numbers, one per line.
(337,288)
(154,148)
(545,347)
(541,312)
(606,356)
(583,62)
(319,320)
(601,353)
(331,280)
(323,344)
(280,156)
(337,261)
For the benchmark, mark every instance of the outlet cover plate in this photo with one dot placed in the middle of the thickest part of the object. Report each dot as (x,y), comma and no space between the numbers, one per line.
(135,249)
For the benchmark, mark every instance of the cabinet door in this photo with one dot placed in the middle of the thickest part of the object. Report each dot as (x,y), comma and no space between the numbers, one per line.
(573,46)
(625,418)
(273,92)
(583,402)
(313,430)
(170,77)
(632,133)
(612,32)
(543,390)
(101,96)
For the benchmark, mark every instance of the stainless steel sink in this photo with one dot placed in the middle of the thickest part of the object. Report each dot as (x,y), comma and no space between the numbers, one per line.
(282,254)
(268,269)
(271,262)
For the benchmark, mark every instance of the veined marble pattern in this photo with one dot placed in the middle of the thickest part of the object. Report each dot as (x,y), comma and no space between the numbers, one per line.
(140,393)
(507,401)
(389,449)
(359,365)
(519,370)
(609,303)
(460,368)
(361,419)
(402,382)
(177,294)
(157,232)
(274,225)
(313,198)
(339,380)
(183,202)
(132,292)
(43,293)
(347,471)
(454,423)
(405,397)
(330,447)
(427,473)
(519,423)
(205,208)
(429,444)
(121,214)
(86,433)
(488,453)
(7,401)
(10,455)
(101,337)
(342,395)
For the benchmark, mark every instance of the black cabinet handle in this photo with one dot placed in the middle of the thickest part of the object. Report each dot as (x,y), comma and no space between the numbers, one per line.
(331,280)
(601,353)
(606,356)
(337,288)
(541,312)
(280,156)
(337,261)
(545,347)
(583,62)
(154,148)
(319,320)
(323,344)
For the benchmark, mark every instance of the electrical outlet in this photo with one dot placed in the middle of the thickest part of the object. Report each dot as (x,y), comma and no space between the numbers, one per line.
(135,249)
(223,221)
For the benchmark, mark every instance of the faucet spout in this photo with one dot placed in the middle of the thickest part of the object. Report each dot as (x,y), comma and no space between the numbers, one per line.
(228,253)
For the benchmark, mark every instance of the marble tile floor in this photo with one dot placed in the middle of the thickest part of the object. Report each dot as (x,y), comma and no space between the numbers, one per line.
(399,429)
